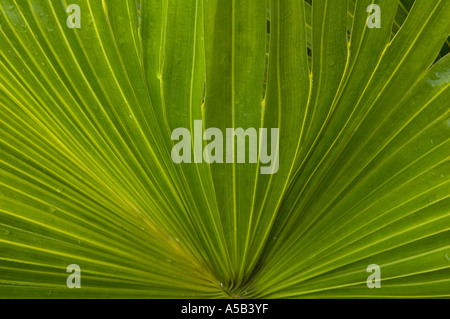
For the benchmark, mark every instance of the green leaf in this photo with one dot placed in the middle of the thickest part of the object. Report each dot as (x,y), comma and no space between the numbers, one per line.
(361,176)
(235,54)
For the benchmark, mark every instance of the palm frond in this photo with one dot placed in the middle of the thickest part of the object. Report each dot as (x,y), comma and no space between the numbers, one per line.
(87,178)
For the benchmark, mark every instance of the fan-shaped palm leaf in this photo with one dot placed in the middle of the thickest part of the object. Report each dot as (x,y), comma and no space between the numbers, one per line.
(87,176)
